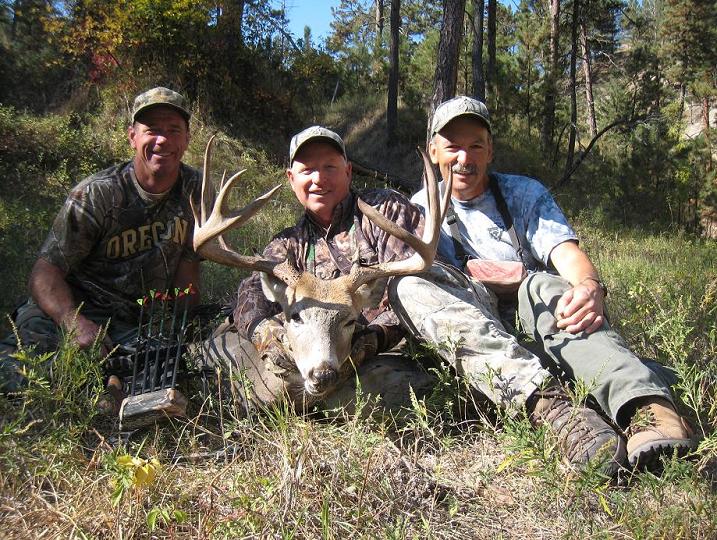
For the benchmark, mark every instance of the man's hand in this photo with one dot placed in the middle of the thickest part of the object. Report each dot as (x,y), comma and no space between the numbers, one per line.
(52,293)
(85,332)
(363,345)
(269,338)
(581,308)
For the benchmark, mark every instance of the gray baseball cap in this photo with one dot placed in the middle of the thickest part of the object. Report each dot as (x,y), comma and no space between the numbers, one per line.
(160,96)
(313,134)
(459,106)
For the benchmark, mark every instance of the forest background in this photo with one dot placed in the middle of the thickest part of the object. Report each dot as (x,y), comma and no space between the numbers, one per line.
(610,103)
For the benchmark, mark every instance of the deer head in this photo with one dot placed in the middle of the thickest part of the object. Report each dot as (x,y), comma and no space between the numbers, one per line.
(320,314)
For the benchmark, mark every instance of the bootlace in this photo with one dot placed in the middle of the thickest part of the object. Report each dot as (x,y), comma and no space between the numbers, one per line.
(573,433)
(643,419)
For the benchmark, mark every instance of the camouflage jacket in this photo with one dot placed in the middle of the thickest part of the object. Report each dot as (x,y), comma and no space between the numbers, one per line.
(115,243)
(328,254)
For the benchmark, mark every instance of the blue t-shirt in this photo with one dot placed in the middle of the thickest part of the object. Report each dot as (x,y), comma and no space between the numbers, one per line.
(539,224)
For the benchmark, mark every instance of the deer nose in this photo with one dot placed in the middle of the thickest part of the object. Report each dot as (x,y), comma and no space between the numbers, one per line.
(323,377)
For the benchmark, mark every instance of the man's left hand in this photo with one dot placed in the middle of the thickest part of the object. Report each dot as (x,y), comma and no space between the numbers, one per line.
(364,345)
(581,308)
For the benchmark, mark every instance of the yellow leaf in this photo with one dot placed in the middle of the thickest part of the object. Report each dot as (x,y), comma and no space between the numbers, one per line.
(145,475)
(603,503)
(506,462)
(124,461)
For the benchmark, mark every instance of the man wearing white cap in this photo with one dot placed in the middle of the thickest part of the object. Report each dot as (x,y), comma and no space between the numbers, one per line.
(120,233)
(507,232)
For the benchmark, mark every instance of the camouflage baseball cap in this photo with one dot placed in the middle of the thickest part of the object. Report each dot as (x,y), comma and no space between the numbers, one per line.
(459,106)
(312,134)
(160,96)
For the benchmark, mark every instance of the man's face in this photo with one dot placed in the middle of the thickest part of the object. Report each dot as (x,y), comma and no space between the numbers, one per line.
(465,146)
(159,137)
(320,177)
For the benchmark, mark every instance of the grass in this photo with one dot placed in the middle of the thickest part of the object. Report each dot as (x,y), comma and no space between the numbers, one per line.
(434,473)
(439,471)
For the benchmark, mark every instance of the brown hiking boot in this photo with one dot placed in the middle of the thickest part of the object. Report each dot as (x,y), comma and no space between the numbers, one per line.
(111,399)
(583,436)
(655,430)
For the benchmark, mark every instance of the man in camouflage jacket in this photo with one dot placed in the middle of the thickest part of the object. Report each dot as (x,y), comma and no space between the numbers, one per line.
(323,243)
(120,233)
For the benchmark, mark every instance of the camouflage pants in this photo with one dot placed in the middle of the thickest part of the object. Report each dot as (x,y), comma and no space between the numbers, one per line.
(388,378)
(460,317)
(35,329)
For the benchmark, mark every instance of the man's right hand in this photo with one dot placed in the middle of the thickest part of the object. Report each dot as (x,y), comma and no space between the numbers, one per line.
(52,293)
(85,332)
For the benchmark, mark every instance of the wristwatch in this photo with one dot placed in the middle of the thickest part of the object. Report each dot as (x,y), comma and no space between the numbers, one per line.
(600,283)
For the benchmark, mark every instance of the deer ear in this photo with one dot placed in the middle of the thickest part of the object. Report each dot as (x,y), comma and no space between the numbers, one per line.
(370,294)
(274,289)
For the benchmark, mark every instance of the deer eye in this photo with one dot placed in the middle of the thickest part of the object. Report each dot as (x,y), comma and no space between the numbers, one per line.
(296,318)
(349,324)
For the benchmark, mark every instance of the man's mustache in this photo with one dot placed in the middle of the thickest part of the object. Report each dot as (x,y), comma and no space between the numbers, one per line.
(464,169)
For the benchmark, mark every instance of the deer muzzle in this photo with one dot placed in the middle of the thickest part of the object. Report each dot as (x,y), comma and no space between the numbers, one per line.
(321,379)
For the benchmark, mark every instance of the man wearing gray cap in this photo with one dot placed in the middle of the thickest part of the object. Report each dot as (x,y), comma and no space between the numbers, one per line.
(509,235)
(120,233)
(323,243)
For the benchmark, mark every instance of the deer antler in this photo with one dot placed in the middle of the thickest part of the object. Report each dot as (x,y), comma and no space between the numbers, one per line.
(425,248)
(221,219)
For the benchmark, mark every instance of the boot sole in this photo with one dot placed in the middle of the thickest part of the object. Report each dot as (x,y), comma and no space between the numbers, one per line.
(647,456)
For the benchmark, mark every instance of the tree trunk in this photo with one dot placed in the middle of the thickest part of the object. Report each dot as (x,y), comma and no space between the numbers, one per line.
(551,77)
(477,56)
(706,130)
(13,27)
(490,76)
(529,94)
(587,72)
(573,84)
(683,92)
(392,105)
(446,76)
(230,24)
(378,14)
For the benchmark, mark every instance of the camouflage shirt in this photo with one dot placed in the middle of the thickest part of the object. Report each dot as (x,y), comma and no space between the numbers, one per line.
(328,254)
(115,242)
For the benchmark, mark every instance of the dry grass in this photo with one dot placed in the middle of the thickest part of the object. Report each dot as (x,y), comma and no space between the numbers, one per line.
(367,476)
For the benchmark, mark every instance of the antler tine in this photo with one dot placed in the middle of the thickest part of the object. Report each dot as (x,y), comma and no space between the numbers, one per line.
(425,247)
(208,226)
(221,219)
(207,188)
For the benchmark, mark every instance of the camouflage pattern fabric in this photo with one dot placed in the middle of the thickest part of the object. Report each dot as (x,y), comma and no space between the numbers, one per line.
(328,254)
(160,96)
(116,244)
(38,331)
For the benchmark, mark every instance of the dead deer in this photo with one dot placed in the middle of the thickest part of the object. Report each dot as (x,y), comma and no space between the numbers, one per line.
(320,314)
